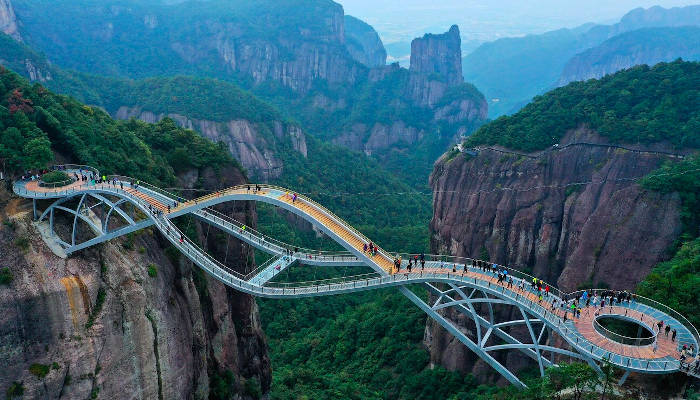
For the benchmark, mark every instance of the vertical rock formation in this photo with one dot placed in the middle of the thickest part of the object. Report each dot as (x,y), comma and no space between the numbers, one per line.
(438,54)
(573,216)
(125,318)
(363,43)
(8,21)
(436,64)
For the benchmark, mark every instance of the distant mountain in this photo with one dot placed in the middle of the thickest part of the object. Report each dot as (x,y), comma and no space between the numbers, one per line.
(363,43)
(511,71)
(643,46)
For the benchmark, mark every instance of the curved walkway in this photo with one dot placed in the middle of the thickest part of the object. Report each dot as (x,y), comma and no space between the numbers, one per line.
(463,272)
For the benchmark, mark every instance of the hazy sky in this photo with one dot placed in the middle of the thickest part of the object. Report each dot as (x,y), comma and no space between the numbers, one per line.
(480,20)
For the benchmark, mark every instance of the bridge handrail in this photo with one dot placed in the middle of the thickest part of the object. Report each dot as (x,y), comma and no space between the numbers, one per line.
(54,185)
(638,341)
(282,246)
(527,278)
(261,267)
(653,304)
(325,281)
(302,197)
(162,192)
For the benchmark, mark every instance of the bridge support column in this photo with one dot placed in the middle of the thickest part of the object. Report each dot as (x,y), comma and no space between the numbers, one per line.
(51,222)
(34,206)
(623,378)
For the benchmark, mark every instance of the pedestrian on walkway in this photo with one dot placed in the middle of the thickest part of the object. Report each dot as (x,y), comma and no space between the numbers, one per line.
(655,346)
(673,335)
(668,328)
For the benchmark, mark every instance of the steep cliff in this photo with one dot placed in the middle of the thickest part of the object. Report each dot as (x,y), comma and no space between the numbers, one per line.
(643,46)
(363,43)
(574,216)
(128,316)
(436,64)
(292,43)
(8,20)
(101,323)
(407,117)
(244,139)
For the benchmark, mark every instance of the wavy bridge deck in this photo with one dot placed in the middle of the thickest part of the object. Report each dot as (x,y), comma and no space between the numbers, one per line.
(460,283)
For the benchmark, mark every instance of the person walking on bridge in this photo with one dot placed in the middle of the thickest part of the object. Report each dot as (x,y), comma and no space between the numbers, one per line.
(667,330)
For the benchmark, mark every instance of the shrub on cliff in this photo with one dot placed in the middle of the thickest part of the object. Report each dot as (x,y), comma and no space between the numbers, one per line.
(39,370)
(5,276)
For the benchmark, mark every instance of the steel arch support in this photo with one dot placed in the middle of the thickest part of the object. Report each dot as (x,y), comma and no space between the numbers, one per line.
(462,337)
(492,329)
(113,206)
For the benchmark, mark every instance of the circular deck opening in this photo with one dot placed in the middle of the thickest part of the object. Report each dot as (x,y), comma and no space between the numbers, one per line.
(624,330)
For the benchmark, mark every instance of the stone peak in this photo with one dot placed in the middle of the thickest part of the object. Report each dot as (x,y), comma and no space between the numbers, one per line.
(438,54)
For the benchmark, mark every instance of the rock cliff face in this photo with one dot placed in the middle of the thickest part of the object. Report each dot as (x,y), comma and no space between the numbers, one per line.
(363,43)
(102,324)
(245,140)
(572,215)
(8,21)
(643,46)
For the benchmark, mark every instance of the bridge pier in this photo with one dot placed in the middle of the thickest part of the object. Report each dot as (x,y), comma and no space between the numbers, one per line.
(623,378)
(34,207)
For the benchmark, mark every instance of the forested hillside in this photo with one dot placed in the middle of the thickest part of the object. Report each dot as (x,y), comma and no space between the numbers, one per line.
(36,121)
(638,105)
(39,128)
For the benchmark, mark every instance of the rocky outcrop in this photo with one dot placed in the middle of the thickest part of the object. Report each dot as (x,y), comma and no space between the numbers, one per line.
(245,140)
(36,73)
(99,323)
(293,65)
(643,46)
(8,20)
(363,43)
(294,59)
(572,215)
(379,137)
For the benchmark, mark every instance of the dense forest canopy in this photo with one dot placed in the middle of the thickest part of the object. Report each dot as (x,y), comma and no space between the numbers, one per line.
(34,121)
(639,105)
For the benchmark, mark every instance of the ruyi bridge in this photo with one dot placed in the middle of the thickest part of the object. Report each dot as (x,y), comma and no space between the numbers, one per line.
(537,328)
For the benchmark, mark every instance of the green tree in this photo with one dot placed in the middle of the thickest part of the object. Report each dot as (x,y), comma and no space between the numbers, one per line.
(38,153)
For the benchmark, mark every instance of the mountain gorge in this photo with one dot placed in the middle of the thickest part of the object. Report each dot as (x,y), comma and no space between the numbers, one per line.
(310,65)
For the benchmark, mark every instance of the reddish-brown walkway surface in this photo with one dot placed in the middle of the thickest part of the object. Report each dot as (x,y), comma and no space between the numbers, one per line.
(584,325)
